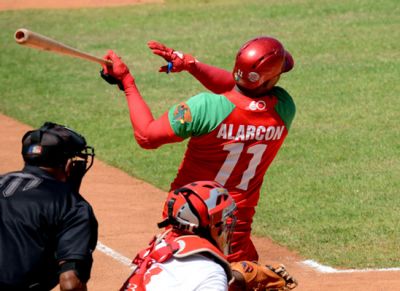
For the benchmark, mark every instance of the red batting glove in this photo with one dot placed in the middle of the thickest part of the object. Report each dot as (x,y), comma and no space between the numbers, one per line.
(177,61)
(118,70)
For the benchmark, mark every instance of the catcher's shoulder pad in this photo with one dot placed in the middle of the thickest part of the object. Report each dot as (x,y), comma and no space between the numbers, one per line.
(192,244)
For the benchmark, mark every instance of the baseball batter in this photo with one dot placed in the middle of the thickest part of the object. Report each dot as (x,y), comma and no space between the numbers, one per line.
(234,132)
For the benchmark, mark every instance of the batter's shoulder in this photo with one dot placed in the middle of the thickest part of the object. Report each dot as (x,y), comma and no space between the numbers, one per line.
(283,95)
(209,100)
(285,107)
(200,114)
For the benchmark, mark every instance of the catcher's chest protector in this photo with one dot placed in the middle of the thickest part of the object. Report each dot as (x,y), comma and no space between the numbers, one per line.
(179,247)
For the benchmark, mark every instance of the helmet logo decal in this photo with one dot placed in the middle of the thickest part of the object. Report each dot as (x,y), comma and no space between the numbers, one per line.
(258,105)
(253,77)
(182,113)
(238,75)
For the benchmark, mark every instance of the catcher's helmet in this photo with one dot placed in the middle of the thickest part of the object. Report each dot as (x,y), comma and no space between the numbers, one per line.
(260,60)
(52,145)
(204,208)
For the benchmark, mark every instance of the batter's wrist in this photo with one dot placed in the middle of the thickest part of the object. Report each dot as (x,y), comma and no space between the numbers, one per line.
(128,81)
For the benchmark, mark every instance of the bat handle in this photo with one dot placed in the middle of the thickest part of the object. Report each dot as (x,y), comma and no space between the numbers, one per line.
(108,63)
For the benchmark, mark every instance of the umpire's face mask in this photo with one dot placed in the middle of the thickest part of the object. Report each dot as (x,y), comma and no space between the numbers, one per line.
(78,166)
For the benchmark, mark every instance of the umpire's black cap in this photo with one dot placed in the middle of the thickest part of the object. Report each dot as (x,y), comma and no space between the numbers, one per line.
(51,145)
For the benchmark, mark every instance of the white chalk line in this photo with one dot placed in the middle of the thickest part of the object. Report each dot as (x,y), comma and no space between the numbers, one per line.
(327,269)
(113,254)
(309,263)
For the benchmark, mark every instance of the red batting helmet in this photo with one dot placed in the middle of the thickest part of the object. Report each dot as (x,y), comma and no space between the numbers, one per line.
(259,60)
(204,208)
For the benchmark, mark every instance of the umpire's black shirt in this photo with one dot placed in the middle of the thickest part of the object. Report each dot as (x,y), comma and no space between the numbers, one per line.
(42,222)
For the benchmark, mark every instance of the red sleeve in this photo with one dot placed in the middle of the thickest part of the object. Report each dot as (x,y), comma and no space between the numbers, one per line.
(149,133)
(214,79)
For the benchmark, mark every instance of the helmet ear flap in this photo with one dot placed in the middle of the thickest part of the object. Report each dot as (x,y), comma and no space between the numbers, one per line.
(196,205)
(170,206)
(170,220)
(199,208)
(187,210)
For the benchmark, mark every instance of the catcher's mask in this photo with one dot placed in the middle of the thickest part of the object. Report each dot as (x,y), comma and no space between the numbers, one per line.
(203,208)
(261,60)
(52,145)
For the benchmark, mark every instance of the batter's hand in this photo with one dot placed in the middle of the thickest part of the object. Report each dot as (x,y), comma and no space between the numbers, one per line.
(177,61)
(118,73)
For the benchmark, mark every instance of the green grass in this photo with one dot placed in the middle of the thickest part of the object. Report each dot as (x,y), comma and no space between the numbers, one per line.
(332,194)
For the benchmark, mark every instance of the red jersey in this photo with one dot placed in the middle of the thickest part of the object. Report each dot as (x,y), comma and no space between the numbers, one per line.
(233,140)
(233,146)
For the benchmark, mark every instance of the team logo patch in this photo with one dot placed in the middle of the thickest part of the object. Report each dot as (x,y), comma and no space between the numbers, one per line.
(182,113)
(253,77)
(258,105)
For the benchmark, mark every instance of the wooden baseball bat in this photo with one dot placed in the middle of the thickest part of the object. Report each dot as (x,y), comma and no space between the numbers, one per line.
(35,40)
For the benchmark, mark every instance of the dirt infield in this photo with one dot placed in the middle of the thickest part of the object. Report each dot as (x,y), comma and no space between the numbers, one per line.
(60,4)
(125,207)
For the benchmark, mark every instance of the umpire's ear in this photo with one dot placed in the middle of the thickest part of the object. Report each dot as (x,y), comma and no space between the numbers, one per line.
(75,170)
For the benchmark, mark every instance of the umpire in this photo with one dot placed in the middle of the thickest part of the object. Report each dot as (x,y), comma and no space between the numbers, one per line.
(48,231)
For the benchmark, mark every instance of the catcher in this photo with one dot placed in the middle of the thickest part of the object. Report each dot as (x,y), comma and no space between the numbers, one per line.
(190,254)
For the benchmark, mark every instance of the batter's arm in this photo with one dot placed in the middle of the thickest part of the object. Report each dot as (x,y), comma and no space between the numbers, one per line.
(69,281)
(149,133)
(213,78)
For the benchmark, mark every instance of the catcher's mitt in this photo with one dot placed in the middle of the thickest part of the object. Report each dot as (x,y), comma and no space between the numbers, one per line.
(251,276)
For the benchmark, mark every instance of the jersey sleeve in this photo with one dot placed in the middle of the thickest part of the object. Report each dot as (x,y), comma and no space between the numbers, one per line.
(215,79)
(77,232)
(285,107)
(200,115)
(149,132)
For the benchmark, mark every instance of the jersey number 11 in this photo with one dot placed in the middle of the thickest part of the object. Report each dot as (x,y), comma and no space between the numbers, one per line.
(235,150)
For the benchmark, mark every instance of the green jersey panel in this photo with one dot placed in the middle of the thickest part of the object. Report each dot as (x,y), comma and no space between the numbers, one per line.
(285,106)
(201,114)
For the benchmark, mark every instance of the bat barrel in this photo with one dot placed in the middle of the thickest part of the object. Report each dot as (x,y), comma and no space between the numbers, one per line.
(21,35)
